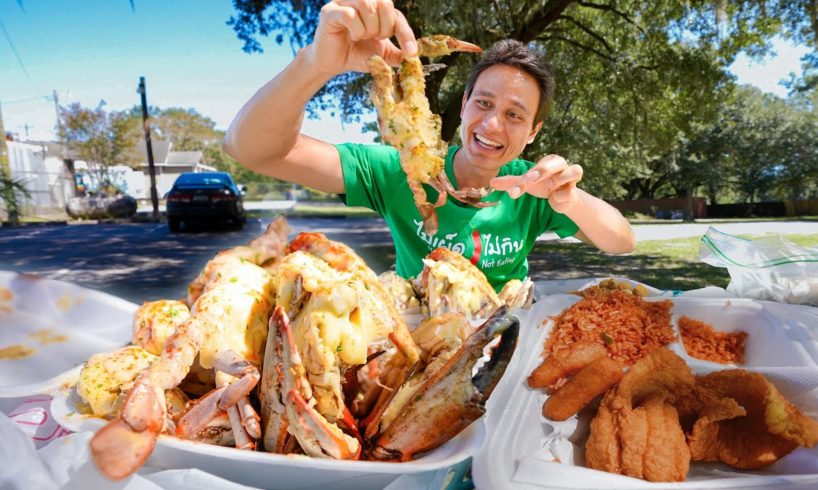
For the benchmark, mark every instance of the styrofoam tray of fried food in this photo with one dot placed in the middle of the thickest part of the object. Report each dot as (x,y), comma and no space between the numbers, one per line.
(523,450)
(48,327)
(565,286)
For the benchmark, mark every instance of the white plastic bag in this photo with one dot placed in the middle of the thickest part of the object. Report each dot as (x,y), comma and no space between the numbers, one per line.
(768,268)
(22,467)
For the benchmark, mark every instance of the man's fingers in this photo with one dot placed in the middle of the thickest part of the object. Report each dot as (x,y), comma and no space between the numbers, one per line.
(513,184)
(368,12)
(550,165)
(404,34)
(340,17)
(506,182)
(386,19)
(391,53)
(573,173)
(561,194)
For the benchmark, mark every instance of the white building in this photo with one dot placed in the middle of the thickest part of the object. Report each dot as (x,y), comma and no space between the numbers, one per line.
(168,165)
(49,175)
(45,174)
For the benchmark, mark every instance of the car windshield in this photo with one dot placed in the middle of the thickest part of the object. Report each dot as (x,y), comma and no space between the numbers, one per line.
(202,179)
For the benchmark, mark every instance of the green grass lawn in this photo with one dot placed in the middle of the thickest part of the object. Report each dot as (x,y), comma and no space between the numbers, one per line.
(665,264)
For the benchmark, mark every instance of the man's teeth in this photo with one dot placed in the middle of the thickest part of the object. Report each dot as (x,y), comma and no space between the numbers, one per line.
(487,142)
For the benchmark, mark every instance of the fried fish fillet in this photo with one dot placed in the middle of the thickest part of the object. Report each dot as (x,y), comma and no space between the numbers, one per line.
(637,431)
(769,428)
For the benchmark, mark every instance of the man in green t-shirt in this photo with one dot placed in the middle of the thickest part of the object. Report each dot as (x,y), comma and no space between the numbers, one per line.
(507,97)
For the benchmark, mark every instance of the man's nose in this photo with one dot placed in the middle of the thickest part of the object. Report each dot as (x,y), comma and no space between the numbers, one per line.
(492,122)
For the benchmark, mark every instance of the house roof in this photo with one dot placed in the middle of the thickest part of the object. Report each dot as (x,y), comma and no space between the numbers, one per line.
(160,149)
(183,157)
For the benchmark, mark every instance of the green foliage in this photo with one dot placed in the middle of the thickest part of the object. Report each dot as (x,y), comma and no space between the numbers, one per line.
(642,87)
(12,192)
(100,138)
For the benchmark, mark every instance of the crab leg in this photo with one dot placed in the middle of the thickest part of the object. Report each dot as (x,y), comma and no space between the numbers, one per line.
(441,45)
(126,442)
(452,398)
(243,439)
(232,294)
(273,411)
(407,123)
(228,396)
(317,436)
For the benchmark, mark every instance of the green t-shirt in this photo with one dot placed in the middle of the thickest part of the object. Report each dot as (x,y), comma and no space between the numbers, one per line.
(497,239)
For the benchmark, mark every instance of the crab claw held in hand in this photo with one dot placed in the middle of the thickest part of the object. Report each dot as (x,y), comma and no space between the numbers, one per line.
(452,397)
(407,123)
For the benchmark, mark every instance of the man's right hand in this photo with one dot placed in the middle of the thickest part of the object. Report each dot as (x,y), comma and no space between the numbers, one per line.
(351,31)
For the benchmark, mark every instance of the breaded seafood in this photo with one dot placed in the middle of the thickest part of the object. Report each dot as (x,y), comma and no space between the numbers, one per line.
(770,428)
(636,431)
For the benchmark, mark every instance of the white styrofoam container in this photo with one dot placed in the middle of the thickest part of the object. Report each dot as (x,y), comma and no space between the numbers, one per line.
(543,289)
(522,448)
(63,323)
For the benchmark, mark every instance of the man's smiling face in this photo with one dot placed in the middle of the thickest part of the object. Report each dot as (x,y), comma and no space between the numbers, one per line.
(497,120)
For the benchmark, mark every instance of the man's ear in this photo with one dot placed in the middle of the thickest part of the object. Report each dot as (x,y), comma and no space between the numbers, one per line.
(533,133)
(463,104)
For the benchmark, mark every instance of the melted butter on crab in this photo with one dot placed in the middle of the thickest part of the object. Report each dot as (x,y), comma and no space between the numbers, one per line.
(336,323)
(106,377)
(241,295)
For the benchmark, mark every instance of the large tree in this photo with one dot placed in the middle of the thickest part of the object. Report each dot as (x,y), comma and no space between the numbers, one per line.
(99,137)
(634,77)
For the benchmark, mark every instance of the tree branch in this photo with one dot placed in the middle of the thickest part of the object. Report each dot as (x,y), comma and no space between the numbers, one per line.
(578,45)
(588,31)
(611,8)
(539,19)
(499,13)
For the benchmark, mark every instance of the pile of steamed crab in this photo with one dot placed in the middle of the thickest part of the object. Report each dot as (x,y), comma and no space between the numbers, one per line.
(297,347)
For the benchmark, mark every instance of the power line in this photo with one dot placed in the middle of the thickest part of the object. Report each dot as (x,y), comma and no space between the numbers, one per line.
(14,50)
(48,98)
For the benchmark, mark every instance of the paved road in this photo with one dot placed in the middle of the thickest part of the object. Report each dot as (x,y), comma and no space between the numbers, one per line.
(141,262)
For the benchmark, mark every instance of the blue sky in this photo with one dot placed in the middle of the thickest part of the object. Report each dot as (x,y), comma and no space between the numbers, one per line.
(91,50)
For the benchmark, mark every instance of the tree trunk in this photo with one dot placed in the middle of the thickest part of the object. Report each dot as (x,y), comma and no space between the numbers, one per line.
(688,210)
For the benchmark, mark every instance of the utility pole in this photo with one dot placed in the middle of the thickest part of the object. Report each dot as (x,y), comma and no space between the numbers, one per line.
(56,99)
(69,163)
(5,168)
(26,127)
(154,198)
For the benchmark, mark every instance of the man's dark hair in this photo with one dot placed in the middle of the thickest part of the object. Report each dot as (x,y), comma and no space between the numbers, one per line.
(515,54)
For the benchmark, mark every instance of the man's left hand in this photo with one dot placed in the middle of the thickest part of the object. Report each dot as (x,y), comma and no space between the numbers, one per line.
(552,178)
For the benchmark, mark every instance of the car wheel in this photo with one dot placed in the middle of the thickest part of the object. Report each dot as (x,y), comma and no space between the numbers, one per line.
(174,224)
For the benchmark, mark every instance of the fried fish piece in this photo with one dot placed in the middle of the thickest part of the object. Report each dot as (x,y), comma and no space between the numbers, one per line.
(653,443)
(636,431)
(770,427)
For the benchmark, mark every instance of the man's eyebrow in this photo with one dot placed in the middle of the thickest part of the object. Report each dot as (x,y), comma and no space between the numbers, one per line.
(514,102)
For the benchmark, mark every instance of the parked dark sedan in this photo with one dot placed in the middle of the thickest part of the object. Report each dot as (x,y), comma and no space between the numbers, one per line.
(210,197)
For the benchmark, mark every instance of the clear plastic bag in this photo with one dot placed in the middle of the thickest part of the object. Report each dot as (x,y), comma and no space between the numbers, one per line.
(768,268)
